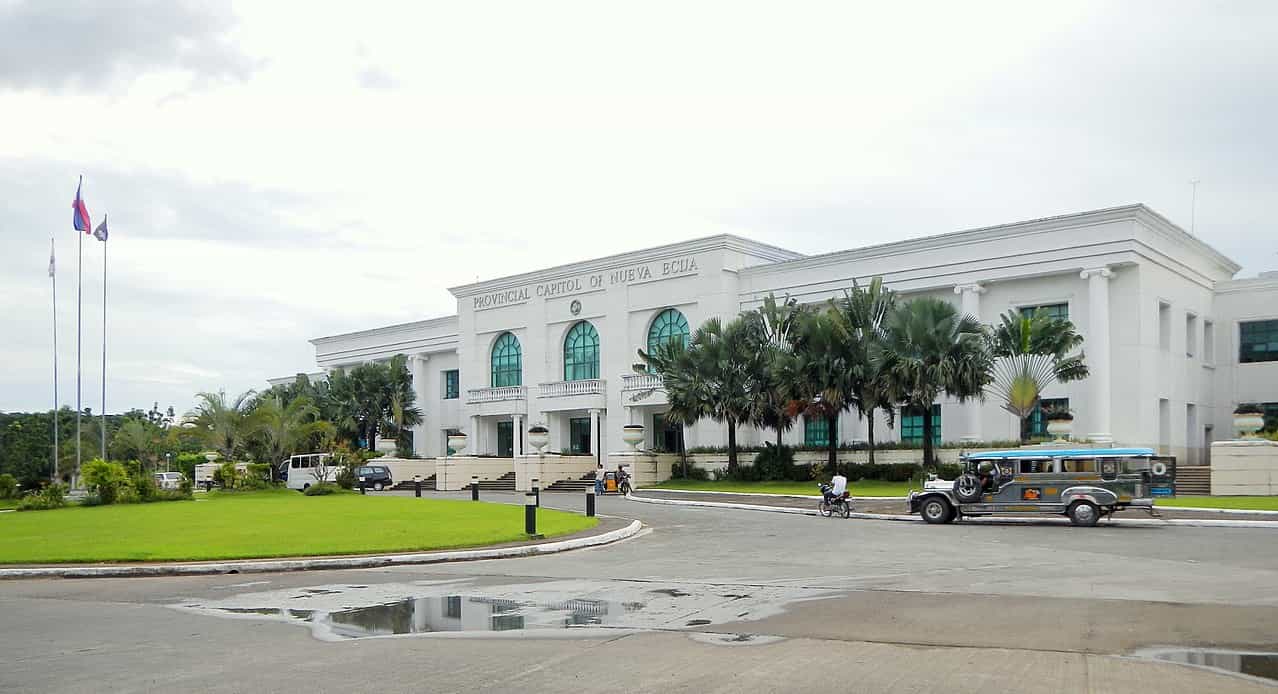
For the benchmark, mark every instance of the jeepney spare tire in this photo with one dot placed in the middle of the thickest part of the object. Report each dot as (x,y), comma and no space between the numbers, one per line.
(967,488)
(1159,468)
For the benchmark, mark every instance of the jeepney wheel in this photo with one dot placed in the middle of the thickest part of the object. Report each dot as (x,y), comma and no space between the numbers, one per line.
(1084,514)
(967,488)
(936,510)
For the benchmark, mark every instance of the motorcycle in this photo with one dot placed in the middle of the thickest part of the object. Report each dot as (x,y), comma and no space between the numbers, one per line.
(831,504)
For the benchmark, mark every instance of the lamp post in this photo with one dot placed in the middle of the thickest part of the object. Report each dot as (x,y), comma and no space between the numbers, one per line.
(457,443)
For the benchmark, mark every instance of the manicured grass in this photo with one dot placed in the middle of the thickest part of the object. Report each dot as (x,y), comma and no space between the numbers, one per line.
(1248,503)
(265,524)
(8,503)
(858,488)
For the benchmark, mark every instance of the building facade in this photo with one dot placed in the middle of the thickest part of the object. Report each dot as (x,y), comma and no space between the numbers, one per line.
(1173,341)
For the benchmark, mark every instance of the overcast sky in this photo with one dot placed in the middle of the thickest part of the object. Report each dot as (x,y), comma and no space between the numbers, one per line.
(275,172)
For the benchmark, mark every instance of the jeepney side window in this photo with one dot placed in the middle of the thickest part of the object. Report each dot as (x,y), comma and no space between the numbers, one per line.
(1080,464)
(1035,466)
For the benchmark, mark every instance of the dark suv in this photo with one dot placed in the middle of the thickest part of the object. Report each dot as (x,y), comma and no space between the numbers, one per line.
(376,476)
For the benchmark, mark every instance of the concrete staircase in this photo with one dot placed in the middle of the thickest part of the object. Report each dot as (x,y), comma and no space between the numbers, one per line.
(505,483)
(579,485)
(409,485)
(1193,480)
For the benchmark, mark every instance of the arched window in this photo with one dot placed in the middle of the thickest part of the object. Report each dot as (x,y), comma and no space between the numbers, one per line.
(581,352)
(508,367)
(668,326)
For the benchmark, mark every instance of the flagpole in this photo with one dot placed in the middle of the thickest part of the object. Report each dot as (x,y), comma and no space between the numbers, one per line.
(53,275)
(79,300)
(102,415)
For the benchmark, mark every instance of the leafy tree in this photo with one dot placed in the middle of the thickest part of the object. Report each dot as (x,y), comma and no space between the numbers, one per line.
(285,429)
(1032,352)
(136,439)
(929,349)
(860,316)
(772,329)
(820,377)
(226,423)
(364,400)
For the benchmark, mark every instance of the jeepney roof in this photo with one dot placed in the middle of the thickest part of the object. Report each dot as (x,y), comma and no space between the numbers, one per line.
(1058,453)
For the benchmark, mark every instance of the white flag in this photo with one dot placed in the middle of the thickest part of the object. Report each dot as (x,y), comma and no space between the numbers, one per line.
(50,258)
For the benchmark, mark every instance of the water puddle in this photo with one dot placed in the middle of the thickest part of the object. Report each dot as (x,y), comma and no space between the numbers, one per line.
(343,612)
(1258,665)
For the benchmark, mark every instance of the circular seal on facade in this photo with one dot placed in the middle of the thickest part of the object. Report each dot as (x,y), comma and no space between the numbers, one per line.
(575,307)
(1159,468)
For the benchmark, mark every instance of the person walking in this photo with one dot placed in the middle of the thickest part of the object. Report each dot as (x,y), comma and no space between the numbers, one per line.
(599,479)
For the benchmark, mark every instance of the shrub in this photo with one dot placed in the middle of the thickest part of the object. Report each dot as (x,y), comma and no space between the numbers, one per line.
(51,497)
(696,473)
(106,480)
(227,475)
(144,487)
(8,486)
(260,471)
(322,489)
(186,487)
(774,464)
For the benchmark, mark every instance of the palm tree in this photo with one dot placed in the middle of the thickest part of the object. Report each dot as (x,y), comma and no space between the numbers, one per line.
(772,332)
(136,439)
(364,400)
(861,314)
(225,423)
(285,429)
(819,379)
(928,349)
(1032,352)
(711,377)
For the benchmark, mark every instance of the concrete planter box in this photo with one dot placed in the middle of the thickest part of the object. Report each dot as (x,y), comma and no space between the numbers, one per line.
(1244,468)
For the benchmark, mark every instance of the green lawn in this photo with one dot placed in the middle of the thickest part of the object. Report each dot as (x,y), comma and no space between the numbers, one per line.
(1249,503)
(265,524)
(858,488)
(8,503)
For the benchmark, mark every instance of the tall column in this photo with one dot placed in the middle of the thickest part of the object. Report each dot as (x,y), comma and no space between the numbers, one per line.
(518,427)
(475,441)
(1098,355)
(594,434)
(970,295)
(417,367)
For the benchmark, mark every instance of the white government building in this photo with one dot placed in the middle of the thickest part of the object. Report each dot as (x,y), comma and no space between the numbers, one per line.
(1172,339)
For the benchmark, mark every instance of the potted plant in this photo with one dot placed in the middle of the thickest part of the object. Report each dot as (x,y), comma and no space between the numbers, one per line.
(1248,419)
(632,434)
(538,437)
(1060,423)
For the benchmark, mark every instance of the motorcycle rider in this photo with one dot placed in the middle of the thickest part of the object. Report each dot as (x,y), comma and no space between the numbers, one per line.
(838,486)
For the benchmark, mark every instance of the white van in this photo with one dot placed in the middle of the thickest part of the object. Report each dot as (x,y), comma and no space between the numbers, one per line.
(301,471)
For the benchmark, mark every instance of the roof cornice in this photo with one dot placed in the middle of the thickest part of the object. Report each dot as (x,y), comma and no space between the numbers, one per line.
(389,329)
(1250,284)
(1175,233)
(709,243)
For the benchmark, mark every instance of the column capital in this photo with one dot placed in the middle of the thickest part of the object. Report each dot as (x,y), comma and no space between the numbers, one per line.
(1101,272)
(975,287)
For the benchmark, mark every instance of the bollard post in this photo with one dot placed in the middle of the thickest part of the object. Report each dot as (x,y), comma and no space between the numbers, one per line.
(474,488)
(536,491)
(417,485)
(361,485)
(530,514)
(590,502)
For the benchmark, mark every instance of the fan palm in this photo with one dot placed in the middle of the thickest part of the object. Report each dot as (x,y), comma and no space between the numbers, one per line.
(772,331)
(819,378)
(224,422)
(861,314)
(929,349)
(1032,352)
(286,428)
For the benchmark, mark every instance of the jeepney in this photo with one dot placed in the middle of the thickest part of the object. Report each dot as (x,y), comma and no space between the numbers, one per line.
(1084,484)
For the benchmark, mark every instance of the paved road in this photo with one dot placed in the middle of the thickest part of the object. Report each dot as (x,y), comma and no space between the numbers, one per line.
(879,606)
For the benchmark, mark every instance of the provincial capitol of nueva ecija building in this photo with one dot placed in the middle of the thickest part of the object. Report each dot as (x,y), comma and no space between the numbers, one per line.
(1172,339)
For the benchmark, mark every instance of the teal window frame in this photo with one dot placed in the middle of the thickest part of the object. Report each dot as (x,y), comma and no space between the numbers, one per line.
(1059,311)
(669,325)
(1035,425)
(1271,416)
(452,384)
(579,435)
(1257,341)
(912,425)
(581,352)
(507,361)
(816,432)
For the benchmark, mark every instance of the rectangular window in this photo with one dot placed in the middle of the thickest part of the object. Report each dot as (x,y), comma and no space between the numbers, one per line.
(1035,425)
(1271,415)
(1164,326)
(453,607)
(452,384)
(1060,311)
(912,425)
(1191,334)
(816,432)
(1164,426)
(1257,341)
(579,435)
(1209,342)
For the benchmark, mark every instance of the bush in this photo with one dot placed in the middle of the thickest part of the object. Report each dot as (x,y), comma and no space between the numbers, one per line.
(8,486)
(51,497)
(144,487)
(260,471)
(694,472)
(774,464)
(322,489)
(186,487)
(227,475)
(107,480)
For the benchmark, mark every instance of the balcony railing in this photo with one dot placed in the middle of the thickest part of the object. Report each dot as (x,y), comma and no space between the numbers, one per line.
(641,382)
(500,394)
(560,389)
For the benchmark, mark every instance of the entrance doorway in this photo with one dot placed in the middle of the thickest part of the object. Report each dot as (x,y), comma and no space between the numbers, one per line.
(506,439)
(667,436)
(579,435)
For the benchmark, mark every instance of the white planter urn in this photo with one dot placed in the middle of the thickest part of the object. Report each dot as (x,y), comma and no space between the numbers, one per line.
(632,434)
(1060,428)
(457,442)
(1248,424)
(538,437)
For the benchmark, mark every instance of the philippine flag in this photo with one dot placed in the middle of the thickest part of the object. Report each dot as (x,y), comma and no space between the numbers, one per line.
(81,217)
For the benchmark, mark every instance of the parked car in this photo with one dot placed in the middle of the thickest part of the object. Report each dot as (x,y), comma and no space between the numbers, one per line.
(1083,484)
(376,477)
(168,480)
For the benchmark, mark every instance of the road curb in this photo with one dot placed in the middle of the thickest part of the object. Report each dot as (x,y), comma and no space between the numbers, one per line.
(1123,522)
(814,497)
(362,562)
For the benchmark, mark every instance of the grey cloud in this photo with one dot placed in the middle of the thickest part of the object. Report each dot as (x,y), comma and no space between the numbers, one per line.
(90,45)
